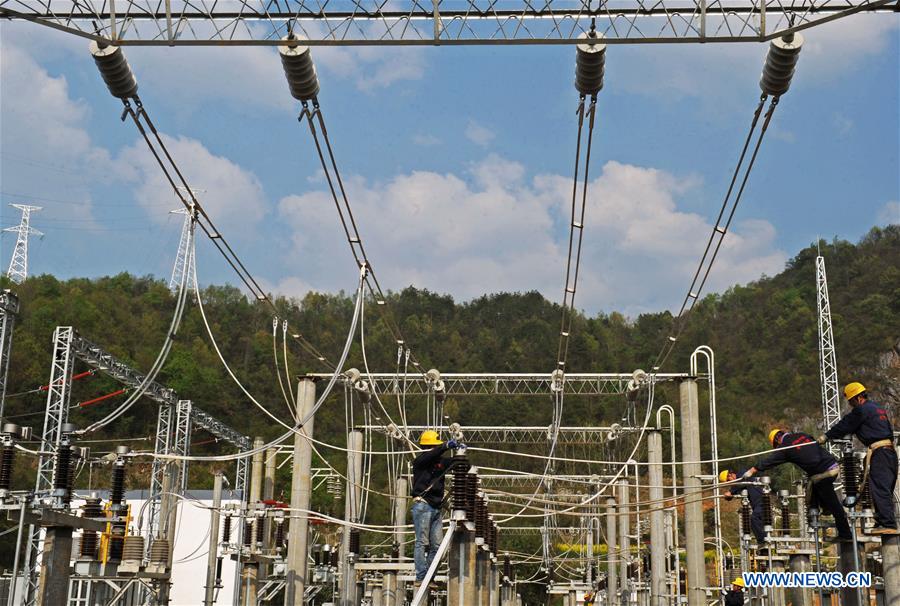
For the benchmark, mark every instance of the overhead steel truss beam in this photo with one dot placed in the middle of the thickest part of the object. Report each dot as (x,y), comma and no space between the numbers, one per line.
(95,357)
(424,22)
(506,384)
(523,435)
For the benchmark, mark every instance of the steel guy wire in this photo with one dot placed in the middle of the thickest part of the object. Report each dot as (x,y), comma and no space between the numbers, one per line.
(205,222)
(718,232)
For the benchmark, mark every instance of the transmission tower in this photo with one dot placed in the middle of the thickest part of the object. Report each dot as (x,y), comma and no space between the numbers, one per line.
(831,403)
(18,265)
(184,260)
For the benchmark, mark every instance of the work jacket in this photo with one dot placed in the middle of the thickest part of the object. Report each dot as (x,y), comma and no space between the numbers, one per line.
(805,454)
(869,421)
(734,597)
(429,469)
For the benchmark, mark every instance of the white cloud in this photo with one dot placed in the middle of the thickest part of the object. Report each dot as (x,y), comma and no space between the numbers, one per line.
(47,151)
(890,213)
(233,197)
(479,134)
(495,229)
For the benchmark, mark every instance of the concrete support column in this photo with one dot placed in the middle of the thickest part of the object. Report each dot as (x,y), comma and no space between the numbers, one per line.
(390,585)
(890,552)
(295,572)
(212,556)
(250,571)
(849,557)
(801,596)
(624,539)
(352,502)
(461,583)
(657,530)
(693,502)
(612,579)
(778,593)
(53,586)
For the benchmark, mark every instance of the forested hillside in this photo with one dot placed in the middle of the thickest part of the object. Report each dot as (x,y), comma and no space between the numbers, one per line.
(764,335)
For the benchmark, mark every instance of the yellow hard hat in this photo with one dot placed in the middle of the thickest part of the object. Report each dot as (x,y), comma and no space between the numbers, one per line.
(853,389)
(723,475)
(739,582)
(429,438)
(774,433)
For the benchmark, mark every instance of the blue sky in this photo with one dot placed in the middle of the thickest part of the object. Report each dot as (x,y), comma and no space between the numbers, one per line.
(458,162)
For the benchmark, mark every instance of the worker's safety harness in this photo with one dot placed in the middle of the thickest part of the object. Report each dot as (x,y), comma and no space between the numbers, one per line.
(886,443)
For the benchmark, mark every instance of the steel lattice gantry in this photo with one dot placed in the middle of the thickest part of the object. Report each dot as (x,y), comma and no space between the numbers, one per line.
(506,384)
(473,434)
(431,22)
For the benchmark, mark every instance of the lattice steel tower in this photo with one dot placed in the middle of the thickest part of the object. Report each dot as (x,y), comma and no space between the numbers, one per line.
(831,402)
(18,265)
(184,260)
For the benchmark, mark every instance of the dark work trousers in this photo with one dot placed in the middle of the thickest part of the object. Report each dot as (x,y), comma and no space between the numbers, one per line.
(756,525)
(824,498)
(882,479)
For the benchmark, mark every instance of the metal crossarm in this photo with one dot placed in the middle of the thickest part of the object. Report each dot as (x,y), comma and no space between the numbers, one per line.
(418,22)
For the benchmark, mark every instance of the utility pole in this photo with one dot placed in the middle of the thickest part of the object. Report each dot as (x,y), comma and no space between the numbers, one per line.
(301,489)
(213,566)
(693,501)
(18,264)
(828,375)
(390,589)
(9,307)
(657,532)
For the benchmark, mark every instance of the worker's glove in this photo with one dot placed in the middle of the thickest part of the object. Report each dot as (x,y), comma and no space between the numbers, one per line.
(452,444)
(822,439)
(747,474)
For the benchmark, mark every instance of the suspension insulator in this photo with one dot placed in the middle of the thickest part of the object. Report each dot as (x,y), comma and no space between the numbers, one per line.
(590,58)
(781,60)
(354,540)
(7,459)
(850,473)
(115,70)
(117,492)
(300,71)
(226,529)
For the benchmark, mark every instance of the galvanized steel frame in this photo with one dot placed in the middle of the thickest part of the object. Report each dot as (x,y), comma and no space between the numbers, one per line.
(424,23)
(828,374)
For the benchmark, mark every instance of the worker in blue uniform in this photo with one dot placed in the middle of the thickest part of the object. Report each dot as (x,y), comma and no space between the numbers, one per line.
(870,423)
(754,495)
(817,463)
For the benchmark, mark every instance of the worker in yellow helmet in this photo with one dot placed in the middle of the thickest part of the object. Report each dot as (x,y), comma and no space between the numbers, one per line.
(754,495)
(735,596)
(429,469)
(817,463)
(870,423)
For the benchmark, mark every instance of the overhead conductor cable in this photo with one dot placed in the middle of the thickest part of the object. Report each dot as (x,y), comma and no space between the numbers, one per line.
(778,71)
(120,80)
